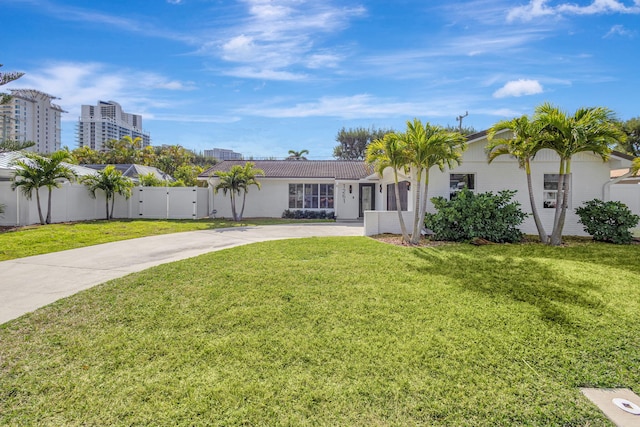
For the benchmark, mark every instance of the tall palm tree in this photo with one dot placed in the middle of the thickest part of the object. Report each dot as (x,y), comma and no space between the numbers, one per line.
(522,145)
(429,146)
(236,181)
(391,152)
(112,182)
(249,174)
(297,155)
(35,171)
(587,130)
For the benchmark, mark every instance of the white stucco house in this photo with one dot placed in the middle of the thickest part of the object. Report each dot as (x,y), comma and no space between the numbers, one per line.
(346,188)
(352,190)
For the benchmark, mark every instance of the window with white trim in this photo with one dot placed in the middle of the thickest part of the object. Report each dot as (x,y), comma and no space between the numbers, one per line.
(459,181)
(551,181)
(311,196)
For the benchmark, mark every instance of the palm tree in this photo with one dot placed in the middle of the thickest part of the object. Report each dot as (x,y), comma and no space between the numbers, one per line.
(588,130)
(522,145)
(249,173)
(429,146)
(35,171)
(237,180)
(112,182)
(635,166)
(390,152)
(297,155)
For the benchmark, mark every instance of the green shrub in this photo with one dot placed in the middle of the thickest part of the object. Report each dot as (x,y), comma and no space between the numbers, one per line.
(489,216)
(607,221)
(306,214)
(1,209)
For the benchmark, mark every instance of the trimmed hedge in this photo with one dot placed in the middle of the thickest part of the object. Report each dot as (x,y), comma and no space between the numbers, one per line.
(607,221)
(493,217)
(307,214)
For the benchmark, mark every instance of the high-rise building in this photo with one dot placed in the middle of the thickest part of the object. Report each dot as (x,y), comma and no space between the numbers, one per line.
(31,116)
(223,154)
(106,121)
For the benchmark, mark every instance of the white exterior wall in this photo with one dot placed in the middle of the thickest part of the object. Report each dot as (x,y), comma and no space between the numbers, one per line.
(273,198)
(72,202)
(589,175)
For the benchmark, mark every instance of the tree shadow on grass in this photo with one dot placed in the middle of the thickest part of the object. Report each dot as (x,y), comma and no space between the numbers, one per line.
(560,299)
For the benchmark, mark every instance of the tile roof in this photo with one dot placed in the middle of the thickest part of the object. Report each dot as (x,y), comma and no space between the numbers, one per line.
(336,169)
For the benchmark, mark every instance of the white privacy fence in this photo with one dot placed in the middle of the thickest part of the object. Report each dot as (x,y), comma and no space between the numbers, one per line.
(72,202)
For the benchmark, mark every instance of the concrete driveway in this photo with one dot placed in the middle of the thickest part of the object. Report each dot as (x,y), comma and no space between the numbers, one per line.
(29,283)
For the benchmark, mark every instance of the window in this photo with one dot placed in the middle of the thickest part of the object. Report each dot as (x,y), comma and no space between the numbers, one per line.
(326,196)
(403,188)
(458,181)
(295,196)
(551,189)
(311,196)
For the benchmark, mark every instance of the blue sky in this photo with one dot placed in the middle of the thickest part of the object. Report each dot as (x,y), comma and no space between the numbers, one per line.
(263,77)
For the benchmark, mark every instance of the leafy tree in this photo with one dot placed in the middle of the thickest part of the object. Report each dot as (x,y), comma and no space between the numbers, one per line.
(170,158)
(466,130)
(123,151)
(10,145)
(112,182)
(187,175)
(237,181)
(428,146)
(87,156)
(521,143)
(35,171)
(297,155)
(353,142)
(632,145)
(391,152)
(4,79)
(587,130)
(151,180)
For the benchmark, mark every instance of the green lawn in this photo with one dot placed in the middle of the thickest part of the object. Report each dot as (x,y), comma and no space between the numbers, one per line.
(36,239)
(335,331)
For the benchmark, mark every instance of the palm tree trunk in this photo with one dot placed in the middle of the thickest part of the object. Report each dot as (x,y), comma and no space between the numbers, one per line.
(48,220)
(113,202)
(559,197)
(39,208)
(415,234)
(244,197)
(233,205)
(425,198)
(403,227)
(106,203)
(534,210)
(556,238)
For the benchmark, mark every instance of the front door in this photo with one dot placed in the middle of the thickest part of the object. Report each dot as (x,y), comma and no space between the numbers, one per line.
(367,198)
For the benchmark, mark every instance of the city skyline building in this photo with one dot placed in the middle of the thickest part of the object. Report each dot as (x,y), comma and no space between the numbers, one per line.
(223,154)
(106,121)
(30,116)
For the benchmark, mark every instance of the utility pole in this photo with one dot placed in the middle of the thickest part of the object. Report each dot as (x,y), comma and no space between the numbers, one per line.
(459,120)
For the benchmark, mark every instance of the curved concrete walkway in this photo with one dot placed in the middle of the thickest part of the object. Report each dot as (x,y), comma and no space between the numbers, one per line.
(32,282)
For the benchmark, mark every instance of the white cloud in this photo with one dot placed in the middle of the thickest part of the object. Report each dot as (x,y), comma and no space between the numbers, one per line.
(539,8)
(353,107)
(279,34)
(174,1)
(620,30)
(78,84)
(518,88)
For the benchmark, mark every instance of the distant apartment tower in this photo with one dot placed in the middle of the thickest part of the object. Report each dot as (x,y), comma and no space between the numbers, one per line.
(106,121)
(31,116)
(223,154)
